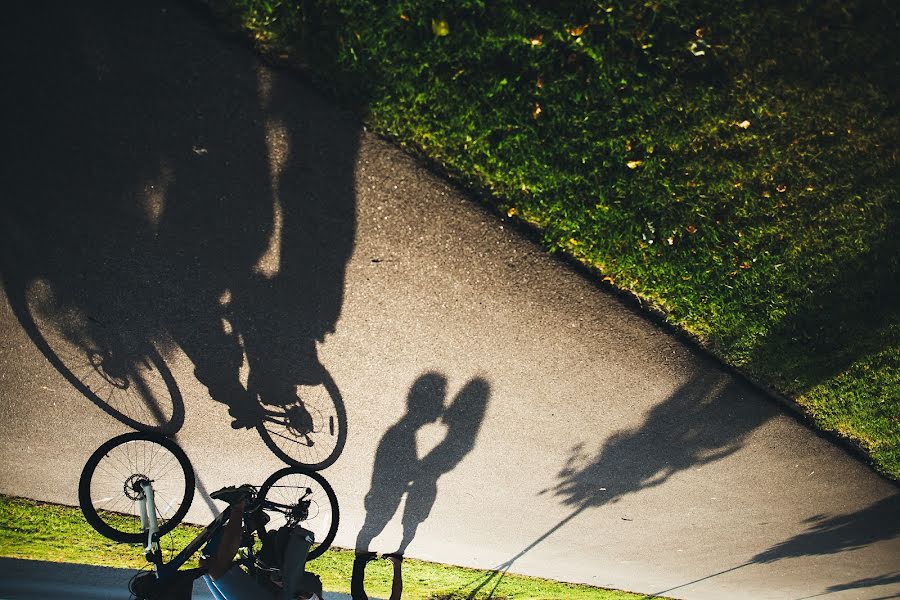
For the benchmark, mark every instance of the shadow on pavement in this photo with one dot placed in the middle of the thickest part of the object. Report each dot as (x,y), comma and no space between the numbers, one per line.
(867,583)
(165,189)
(840,533)
(833,535)
(705,420)
(399,471)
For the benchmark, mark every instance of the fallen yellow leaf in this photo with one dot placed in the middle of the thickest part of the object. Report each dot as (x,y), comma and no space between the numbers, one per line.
(609,279)
(537,111)
(511,212)
(537,40)
(634,164)
(404,17)
(744,124)
(578,30)
(691,229)
(440,27)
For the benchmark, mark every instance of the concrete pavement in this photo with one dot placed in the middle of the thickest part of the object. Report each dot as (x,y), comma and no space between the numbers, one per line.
(502,412)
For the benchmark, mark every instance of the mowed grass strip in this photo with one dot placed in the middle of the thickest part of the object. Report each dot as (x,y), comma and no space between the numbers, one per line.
(39,531)
(733,164)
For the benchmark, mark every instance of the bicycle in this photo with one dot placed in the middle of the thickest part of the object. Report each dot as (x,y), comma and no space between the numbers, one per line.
(139,486)
(113,366)
(308,431)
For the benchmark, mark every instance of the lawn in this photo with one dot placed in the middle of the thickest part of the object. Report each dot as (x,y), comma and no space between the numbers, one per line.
(38,531)
(733,165)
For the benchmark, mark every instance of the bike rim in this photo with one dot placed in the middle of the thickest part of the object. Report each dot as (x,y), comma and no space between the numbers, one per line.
(113,371)
(306,442)
(112,482)
(293,488)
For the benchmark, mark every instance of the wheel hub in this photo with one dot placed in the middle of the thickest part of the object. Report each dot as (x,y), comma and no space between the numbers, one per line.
(134,486)
(108,368)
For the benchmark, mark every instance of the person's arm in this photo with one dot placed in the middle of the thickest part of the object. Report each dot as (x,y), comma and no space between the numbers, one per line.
(219,563)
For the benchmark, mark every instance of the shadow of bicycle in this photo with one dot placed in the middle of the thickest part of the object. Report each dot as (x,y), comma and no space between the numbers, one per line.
(166,192)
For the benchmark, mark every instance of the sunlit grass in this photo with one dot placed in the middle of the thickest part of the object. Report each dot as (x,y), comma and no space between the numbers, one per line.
(39,531)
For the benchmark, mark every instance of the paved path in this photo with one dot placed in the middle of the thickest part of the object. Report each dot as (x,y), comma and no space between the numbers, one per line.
(158,181)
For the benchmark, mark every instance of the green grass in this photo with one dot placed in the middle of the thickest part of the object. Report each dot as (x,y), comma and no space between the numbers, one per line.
(732,164)
(39,531)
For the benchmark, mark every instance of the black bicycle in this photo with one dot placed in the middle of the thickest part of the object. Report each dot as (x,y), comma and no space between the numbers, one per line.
(139,486)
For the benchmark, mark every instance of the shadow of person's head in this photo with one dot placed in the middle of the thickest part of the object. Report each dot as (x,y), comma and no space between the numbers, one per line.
(469,405)
(425,401)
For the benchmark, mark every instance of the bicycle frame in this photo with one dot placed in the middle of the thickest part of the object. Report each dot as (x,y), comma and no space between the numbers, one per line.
(147,508)
(165,570)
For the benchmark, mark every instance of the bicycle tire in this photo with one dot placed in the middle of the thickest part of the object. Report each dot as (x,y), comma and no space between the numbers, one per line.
(95,515)
(290,451)
(131,415)
(265,492)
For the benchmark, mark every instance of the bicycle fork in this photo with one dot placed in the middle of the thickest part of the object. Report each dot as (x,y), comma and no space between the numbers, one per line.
(147,507)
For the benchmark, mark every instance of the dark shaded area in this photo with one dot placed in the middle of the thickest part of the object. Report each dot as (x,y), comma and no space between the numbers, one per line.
(833,535)
(162,187)
(705,420)
(841,533)
(844,318)
(398,470)
(868,582)
(20,579)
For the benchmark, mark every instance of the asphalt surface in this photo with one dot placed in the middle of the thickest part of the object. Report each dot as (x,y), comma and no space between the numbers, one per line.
(502,412)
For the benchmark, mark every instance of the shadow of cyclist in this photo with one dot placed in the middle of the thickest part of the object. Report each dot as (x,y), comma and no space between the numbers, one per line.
(165,184)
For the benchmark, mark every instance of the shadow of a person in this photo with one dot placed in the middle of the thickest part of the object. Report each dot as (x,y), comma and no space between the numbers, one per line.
(396,460)
(283,310)
(398,469)
(463,419)
(137,199)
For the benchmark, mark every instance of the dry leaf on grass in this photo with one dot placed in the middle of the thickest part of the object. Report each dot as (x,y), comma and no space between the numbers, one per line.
(440,27)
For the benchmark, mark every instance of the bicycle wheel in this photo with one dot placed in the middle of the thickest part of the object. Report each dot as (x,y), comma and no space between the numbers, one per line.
(304,498)
(106,489)
(310,433)
(123,375)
